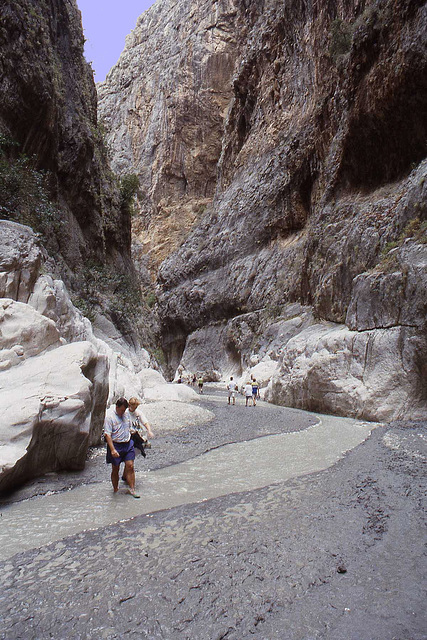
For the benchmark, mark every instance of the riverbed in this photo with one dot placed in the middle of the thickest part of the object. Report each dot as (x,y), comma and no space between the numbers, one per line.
(333,553)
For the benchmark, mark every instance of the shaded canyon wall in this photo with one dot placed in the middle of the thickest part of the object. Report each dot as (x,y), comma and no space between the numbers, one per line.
(310,256)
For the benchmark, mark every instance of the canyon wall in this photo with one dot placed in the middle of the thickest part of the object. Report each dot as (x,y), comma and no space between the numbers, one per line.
(48,112)
(163,106)
(64,227)
(318,197)
(55,175)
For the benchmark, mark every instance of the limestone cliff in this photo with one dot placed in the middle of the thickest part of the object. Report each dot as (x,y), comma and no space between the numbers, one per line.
(164,105)
(54,172)
(318,196)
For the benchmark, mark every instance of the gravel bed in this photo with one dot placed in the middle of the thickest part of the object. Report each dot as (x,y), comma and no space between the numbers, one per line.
(336,555)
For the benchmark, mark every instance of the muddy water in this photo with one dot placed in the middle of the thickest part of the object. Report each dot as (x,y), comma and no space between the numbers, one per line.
(229,469)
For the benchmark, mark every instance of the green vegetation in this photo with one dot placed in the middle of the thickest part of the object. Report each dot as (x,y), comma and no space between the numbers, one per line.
(87,309)
(129,186)
(117,293)
(150,299)
(24,196)
(159,355)
(415,229)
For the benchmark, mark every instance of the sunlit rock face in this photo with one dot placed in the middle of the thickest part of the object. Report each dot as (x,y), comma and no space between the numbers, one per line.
(164,105)
(56,376)
(321,171)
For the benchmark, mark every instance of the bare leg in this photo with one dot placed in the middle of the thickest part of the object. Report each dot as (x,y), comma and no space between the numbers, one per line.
(115,477)
(130,475)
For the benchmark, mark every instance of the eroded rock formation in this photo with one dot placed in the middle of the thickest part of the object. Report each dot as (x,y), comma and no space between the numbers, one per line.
(321,171)
(56,375)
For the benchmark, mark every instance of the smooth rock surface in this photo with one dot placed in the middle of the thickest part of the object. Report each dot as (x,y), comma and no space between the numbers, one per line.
(371,374)
(52,410)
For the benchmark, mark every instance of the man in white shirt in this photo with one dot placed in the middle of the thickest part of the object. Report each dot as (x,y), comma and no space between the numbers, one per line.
(232,386)
(120,445)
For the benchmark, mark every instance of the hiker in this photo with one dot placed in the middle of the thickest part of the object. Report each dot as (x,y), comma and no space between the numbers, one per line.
(255,391)
(120,446)
(248,393)
(139,425)
(200,384)
(231,387)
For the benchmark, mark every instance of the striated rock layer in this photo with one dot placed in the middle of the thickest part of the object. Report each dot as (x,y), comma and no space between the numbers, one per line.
(318,195)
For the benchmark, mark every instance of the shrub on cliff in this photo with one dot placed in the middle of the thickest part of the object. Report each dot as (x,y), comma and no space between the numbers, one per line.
(129,185)
(24,196)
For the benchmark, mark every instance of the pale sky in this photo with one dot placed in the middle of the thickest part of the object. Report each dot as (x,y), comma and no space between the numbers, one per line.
(106,23)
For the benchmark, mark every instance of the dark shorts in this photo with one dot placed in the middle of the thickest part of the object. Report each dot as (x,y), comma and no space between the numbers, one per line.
(126,451)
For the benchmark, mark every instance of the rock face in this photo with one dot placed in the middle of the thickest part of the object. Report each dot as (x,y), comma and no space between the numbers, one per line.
(55,175)
(321,171)
(164,105)
(53,409)
(56,376)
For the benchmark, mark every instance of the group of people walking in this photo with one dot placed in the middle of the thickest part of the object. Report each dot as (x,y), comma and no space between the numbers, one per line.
(250,390)
(124,424)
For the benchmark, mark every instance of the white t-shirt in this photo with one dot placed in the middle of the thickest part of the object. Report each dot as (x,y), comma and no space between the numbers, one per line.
(117,427)
(232,386)
(136,419)
(248,390)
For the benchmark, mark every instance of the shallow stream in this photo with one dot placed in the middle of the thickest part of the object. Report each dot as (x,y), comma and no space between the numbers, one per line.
(229,469)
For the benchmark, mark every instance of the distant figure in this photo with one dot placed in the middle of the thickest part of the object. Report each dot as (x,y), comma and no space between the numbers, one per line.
(232,387)
(248,393)
(255,391)
(194,380)
(200,384)
(120,445)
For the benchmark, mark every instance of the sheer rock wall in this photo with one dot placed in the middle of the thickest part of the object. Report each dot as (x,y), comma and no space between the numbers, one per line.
(321,167)
(163,106)
(48,109)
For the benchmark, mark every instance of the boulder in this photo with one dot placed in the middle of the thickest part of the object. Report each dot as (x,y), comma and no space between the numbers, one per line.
(20,260)
(264,371)
(53,410)
(53,393)
(157,389)
(51,298)
(24,333)
(373,375)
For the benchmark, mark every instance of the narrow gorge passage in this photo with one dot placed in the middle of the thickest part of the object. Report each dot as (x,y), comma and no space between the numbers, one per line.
(237,467)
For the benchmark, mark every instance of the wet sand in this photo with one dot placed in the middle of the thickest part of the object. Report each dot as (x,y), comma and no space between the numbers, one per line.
(336,554)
